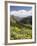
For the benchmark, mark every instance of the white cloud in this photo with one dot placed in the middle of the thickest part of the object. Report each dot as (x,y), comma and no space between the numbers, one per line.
(21,13)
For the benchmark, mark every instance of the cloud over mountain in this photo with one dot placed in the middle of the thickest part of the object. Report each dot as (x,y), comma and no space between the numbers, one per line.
(21,13)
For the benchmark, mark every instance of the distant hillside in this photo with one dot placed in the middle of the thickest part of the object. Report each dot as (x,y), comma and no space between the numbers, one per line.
(24,20)
(27,20)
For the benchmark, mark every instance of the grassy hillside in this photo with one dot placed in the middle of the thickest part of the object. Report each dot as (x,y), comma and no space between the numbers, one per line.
(19,30)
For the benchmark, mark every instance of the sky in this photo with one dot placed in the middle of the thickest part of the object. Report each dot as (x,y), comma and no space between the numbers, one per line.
(21,11)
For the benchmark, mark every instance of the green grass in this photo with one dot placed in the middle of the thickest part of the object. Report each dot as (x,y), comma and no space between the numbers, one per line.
(18,31)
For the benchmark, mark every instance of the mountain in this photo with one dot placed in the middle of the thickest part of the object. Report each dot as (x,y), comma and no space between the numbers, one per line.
(27,20)
(21,13)
(23,20)
(17,18)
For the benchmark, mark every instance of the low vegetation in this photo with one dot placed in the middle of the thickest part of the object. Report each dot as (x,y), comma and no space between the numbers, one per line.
(20,31)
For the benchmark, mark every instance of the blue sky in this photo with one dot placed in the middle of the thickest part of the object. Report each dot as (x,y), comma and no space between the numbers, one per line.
(16,8)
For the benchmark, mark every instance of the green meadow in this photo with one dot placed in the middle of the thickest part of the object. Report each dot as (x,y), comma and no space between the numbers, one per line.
(20,31)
